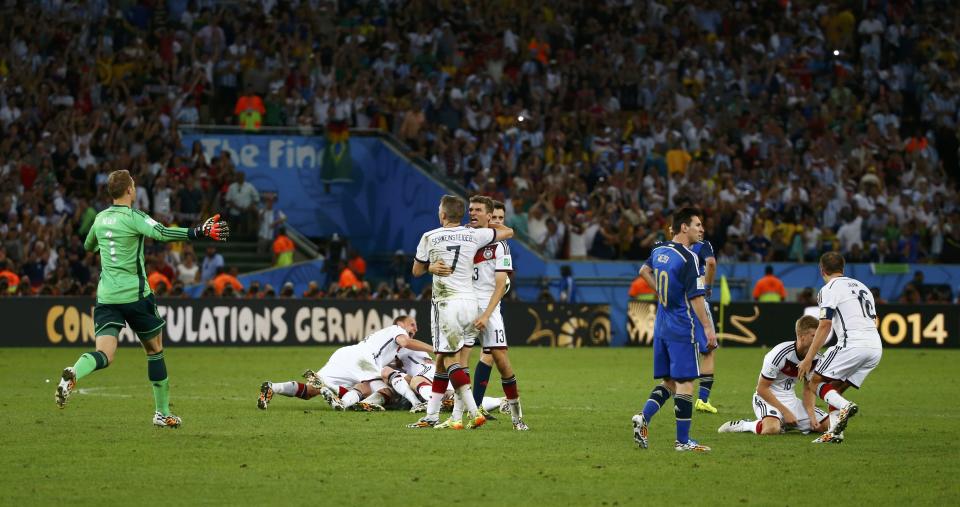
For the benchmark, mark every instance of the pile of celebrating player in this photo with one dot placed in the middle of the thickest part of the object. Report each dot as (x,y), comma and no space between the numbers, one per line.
(390,369)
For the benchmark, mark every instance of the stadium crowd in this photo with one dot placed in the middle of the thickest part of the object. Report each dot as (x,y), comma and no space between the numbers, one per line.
(817,127)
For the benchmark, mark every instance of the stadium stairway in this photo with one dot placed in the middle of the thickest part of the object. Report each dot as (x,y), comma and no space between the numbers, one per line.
(243,255)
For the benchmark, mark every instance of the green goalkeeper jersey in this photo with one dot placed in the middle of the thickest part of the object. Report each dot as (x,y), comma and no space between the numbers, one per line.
(118,234)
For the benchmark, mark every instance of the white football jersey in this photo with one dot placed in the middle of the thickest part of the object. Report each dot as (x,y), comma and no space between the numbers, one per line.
(415,362)
(780,366)
(850,305)
(456,246)
(382,346)
(489,261)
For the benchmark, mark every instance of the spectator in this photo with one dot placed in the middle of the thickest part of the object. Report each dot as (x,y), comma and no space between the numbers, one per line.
(224,279)
(283,249)
(568,286)
(187,271)
(270,219)
(286,292)
(242,199)
(348,279)
(807,297)
(249,110)
(640,291)
(157,279)
(313,291)
(357,264)
(212,264)
(769,288)
(11,278)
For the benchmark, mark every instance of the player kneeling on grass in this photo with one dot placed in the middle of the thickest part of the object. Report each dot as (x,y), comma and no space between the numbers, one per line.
(123,294)
(775,402)
(353,372)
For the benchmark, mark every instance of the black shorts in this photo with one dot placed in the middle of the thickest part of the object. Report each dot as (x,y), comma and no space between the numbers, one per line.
(142,316)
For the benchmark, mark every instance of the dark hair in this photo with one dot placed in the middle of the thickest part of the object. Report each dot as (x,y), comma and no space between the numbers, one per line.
(768,270)
(832,262)
(452,206)
(684,216)
(499,205)
(482,199)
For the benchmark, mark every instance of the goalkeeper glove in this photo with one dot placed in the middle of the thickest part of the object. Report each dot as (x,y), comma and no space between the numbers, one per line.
(213,228)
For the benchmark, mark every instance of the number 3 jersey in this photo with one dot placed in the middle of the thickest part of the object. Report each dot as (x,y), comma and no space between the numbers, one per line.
(456,247)
(850,305)
(487,262)
(780,367)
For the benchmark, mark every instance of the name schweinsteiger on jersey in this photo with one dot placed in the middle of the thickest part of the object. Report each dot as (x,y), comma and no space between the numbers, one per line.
(456,247)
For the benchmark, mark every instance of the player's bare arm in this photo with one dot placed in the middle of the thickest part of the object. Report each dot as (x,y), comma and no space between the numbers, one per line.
(823,332)
(646,272)
(420,268)
(498,291)
(763,390)
(412,344)
(699,304)
(439,268)
(501,232)
(809,404)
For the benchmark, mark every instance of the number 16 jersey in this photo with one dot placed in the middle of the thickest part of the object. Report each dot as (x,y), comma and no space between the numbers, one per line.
(850,305)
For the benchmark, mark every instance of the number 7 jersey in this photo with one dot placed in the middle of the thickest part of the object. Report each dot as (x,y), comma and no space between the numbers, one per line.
(456,247)
(850,305)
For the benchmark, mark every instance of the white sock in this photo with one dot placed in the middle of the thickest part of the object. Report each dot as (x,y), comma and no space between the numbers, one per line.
(748,427)
(515,412)
(465,394)
(399,385)
(490,404)
(375,398)
(836,399)
(285,388)
(425,391)
(433,405)
(457,414)
(351,398)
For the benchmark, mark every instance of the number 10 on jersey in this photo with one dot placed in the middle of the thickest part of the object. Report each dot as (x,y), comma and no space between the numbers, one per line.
(662,280)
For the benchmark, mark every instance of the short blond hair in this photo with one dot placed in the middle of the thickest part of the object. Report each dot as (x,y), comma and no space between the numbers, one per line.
(807,323)
(453,207)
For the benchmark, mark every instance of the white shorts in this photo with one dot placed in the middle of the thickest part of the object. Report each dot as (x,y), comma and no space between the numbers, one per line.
(426,371)
(849,364)
(348,367)
(763,409)
(452,324)
(493,336)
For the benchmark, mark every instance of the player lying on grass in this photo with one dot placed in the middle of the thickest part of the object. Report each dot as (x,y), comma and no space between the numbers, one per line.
(409,377)
(352,372)
(123,294)
(775,402)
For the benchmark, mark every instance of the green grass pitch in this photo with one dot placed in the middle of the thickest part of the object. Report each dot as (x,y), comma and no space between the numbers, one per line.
(901,448)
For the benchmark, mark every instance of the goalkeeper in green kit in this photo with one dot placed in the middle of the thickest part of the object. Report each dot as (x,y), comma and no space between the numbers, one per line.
(123,294)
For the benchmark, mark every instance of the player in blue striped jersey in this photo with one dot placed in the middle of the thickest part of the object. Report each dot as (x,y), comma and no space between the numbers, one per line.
(708,270)
(680,300)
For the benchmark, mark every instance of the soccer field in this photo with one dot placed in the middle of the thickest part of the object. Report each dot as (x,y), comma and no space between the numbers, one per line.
(102,449)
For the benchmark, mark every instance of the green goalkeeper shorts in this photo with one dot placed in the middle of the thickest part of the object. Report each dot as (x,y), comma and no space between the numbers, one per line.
(142,316)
